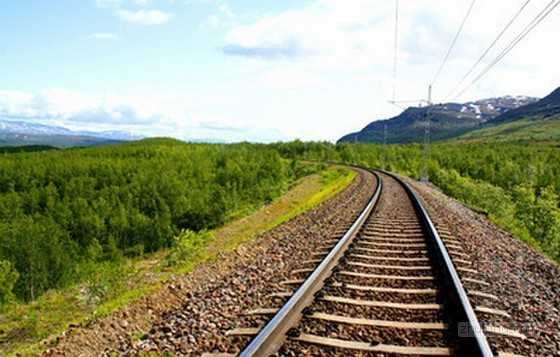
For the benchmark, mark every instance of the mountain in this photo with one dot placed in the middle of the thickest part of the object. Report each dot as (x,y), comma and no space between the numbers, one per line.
(545,108)
(21,127)
(14,132)
(446,120)
(539,121)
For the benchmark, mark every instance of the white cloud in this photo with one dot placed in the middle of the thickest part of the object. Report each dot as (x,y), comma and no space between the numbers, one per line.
(291,77)
(329,34)
(356,37)
(144,17)
(105,36)
(73,107)
(143,112)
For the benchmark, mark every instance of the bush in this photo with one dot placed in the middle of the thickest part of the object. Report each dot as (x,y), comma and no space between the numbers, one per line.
(187,247)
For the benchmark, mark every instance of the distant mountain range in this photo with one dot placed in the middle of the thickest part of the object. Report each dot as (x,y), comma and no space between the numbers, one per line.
(14,132)
(452,120)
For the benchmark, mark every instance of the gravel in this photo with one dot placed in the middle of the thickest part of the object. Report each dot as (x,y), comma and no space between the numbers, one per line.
(192,313)
(393,208)
(526,283)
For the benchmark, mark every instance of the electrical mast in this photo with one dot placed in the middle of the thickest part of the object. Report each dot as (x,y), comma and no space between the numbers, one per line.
(356,149)
(424,177)
(384,148)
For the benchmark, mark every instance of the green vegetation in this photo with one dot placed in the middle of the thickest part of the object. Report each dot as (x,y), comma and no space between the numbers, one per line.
(26,148)
(71,215)
(521,131)
(25,324)
(81,228)
(517,184)
(187,248)
(59,141)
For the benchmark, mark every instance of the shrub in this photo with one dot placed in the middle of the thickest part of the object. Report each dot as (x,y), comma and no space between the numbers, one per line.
(187,247)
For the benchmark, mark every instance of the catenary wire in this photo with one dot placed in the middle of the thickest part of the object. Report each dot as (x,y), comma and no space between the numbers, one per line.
(453,42)
(541,16)
(395,48)
(489,48)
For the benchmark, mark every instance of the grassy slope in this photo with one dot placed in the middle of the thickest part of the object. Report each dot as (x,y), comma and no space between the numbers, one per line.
(522,130)
(25,326)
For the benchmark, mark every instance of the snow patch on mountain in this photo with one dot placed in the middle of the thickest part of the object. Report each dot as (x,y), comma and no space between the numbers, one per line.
(16,127)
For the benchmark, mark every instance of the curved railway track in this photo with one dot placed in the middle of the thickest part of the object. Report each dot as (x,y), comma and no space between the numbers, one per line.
(388,286)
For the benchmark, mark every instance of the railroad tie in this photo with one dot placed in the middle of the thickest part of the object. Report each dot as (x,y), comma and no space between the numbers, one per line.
(482,294)
(386,304)
(244,331)
(476,281)
(379,323)
(374,257)
(391,251)
(389,277)
(374,347)
(396,267)
(498,330)
(264,311)
(385,290)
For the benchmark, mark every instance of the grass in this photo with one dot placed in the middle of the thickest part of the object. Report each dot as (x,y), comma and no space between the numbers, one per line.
(518,131)
(24,327)
(309,192)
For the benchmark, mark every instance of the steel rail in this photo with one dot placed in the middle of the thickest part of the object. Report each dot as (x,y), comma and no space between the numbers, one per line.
(273,335)
(475,342)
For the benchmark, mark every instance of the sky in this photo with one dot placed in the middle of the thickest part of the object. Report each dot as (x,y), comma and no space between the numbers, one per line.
(262,71)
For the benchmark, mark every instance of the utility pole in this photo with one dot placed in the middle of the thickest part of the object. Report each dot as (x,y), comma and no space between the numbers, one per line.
(424,177)
(356,149)
(384,148)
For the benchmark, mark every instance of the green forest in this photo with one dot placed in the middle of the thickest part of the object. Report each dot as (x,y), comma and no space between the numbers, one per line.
(66,215)
(516,184)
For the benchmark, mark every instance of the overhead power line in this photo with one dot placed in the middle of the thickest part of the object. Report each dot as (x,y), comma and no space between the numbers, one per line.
(395,49)
(453,43)
(489,48)
(541,16)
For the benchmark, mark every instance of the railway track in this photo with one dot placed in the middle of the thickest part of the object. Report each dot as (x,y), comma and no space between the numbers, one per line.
(388,286)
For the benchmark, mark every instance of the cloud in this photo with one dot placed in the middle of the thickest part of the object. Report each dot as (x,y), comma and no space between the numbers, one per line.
(284,48)
(329,33)
(355,37)
(73,107)
(142,112)
(146,113)
(144,17)
(291,77)
(104,36)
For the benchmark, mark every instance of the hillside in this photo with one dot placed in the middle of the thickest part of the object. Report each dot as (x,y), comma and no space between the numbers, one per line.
(545,108)
(16,133)
(447,120)
(60,141)
(536,121)
(520,130)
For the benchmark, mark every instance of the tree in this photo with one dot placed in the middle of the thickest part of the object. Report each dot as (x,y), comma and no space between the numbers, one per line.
(8,279)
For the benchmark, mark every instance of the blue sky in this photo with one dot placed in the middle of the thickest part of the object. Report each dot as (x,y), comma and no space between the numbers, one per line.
(254,70)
